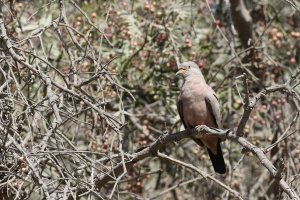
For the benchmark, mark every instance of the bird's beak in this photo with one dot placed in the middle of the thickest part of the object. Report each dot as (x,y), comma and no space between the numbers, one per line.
(181,71)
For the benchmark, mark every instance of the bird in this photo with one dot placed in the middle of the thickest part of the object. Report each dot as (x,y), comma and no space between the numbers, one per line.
(198,104)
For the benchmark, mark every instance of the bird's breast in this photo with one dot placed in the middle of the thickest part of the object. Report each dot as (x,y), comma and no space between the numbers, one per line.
(194,109)
(194,106)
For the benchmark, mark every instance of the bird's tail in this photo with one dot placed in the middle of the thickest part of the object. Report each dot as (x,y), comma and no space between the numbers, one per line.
(217,160)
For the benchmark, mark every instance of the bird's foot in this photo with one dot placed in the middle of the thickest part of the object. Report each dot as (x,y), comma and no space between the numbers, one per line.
(201,129)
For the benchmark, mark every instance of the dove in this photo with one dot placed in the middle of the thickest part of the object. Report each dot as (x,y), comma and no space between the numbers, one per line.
(198,105)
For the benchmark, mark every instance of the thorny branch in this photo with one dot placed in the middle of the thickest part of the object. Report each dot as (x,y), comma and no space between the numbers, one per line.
(45,108)
(201,130)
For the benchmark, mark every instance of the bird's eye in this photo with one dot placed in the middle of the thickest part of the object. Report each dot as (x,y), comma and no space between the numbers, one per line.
(189,67)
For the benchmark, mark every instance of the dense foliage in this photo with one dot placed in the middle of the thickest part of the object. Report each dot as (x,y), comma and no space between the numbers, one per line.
(86,84)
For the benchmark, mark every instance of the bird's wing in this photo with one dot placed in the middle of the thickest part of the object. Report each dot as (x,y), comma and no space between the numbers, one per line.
(214,107)
(216,156)
(180,111)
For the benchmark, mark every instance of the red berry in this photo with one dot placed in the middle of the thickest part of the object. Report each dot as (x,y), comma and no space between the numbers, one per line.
(279,101)
(201,65)
(147,5)
(292,61)
(255,117)
(218,23)
(264,107)
(263,122)
(108,35)
(187,41)
(238,101)
(104,146)
(278,116)
(173,63)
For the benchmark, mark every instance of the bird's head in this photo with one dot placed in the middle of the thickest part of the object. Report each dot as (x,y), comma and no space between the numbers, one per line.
(187,69)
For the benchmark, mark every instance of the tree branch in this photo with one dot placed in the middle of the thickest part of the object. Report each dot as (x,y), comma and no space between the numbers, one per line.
(198,131)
